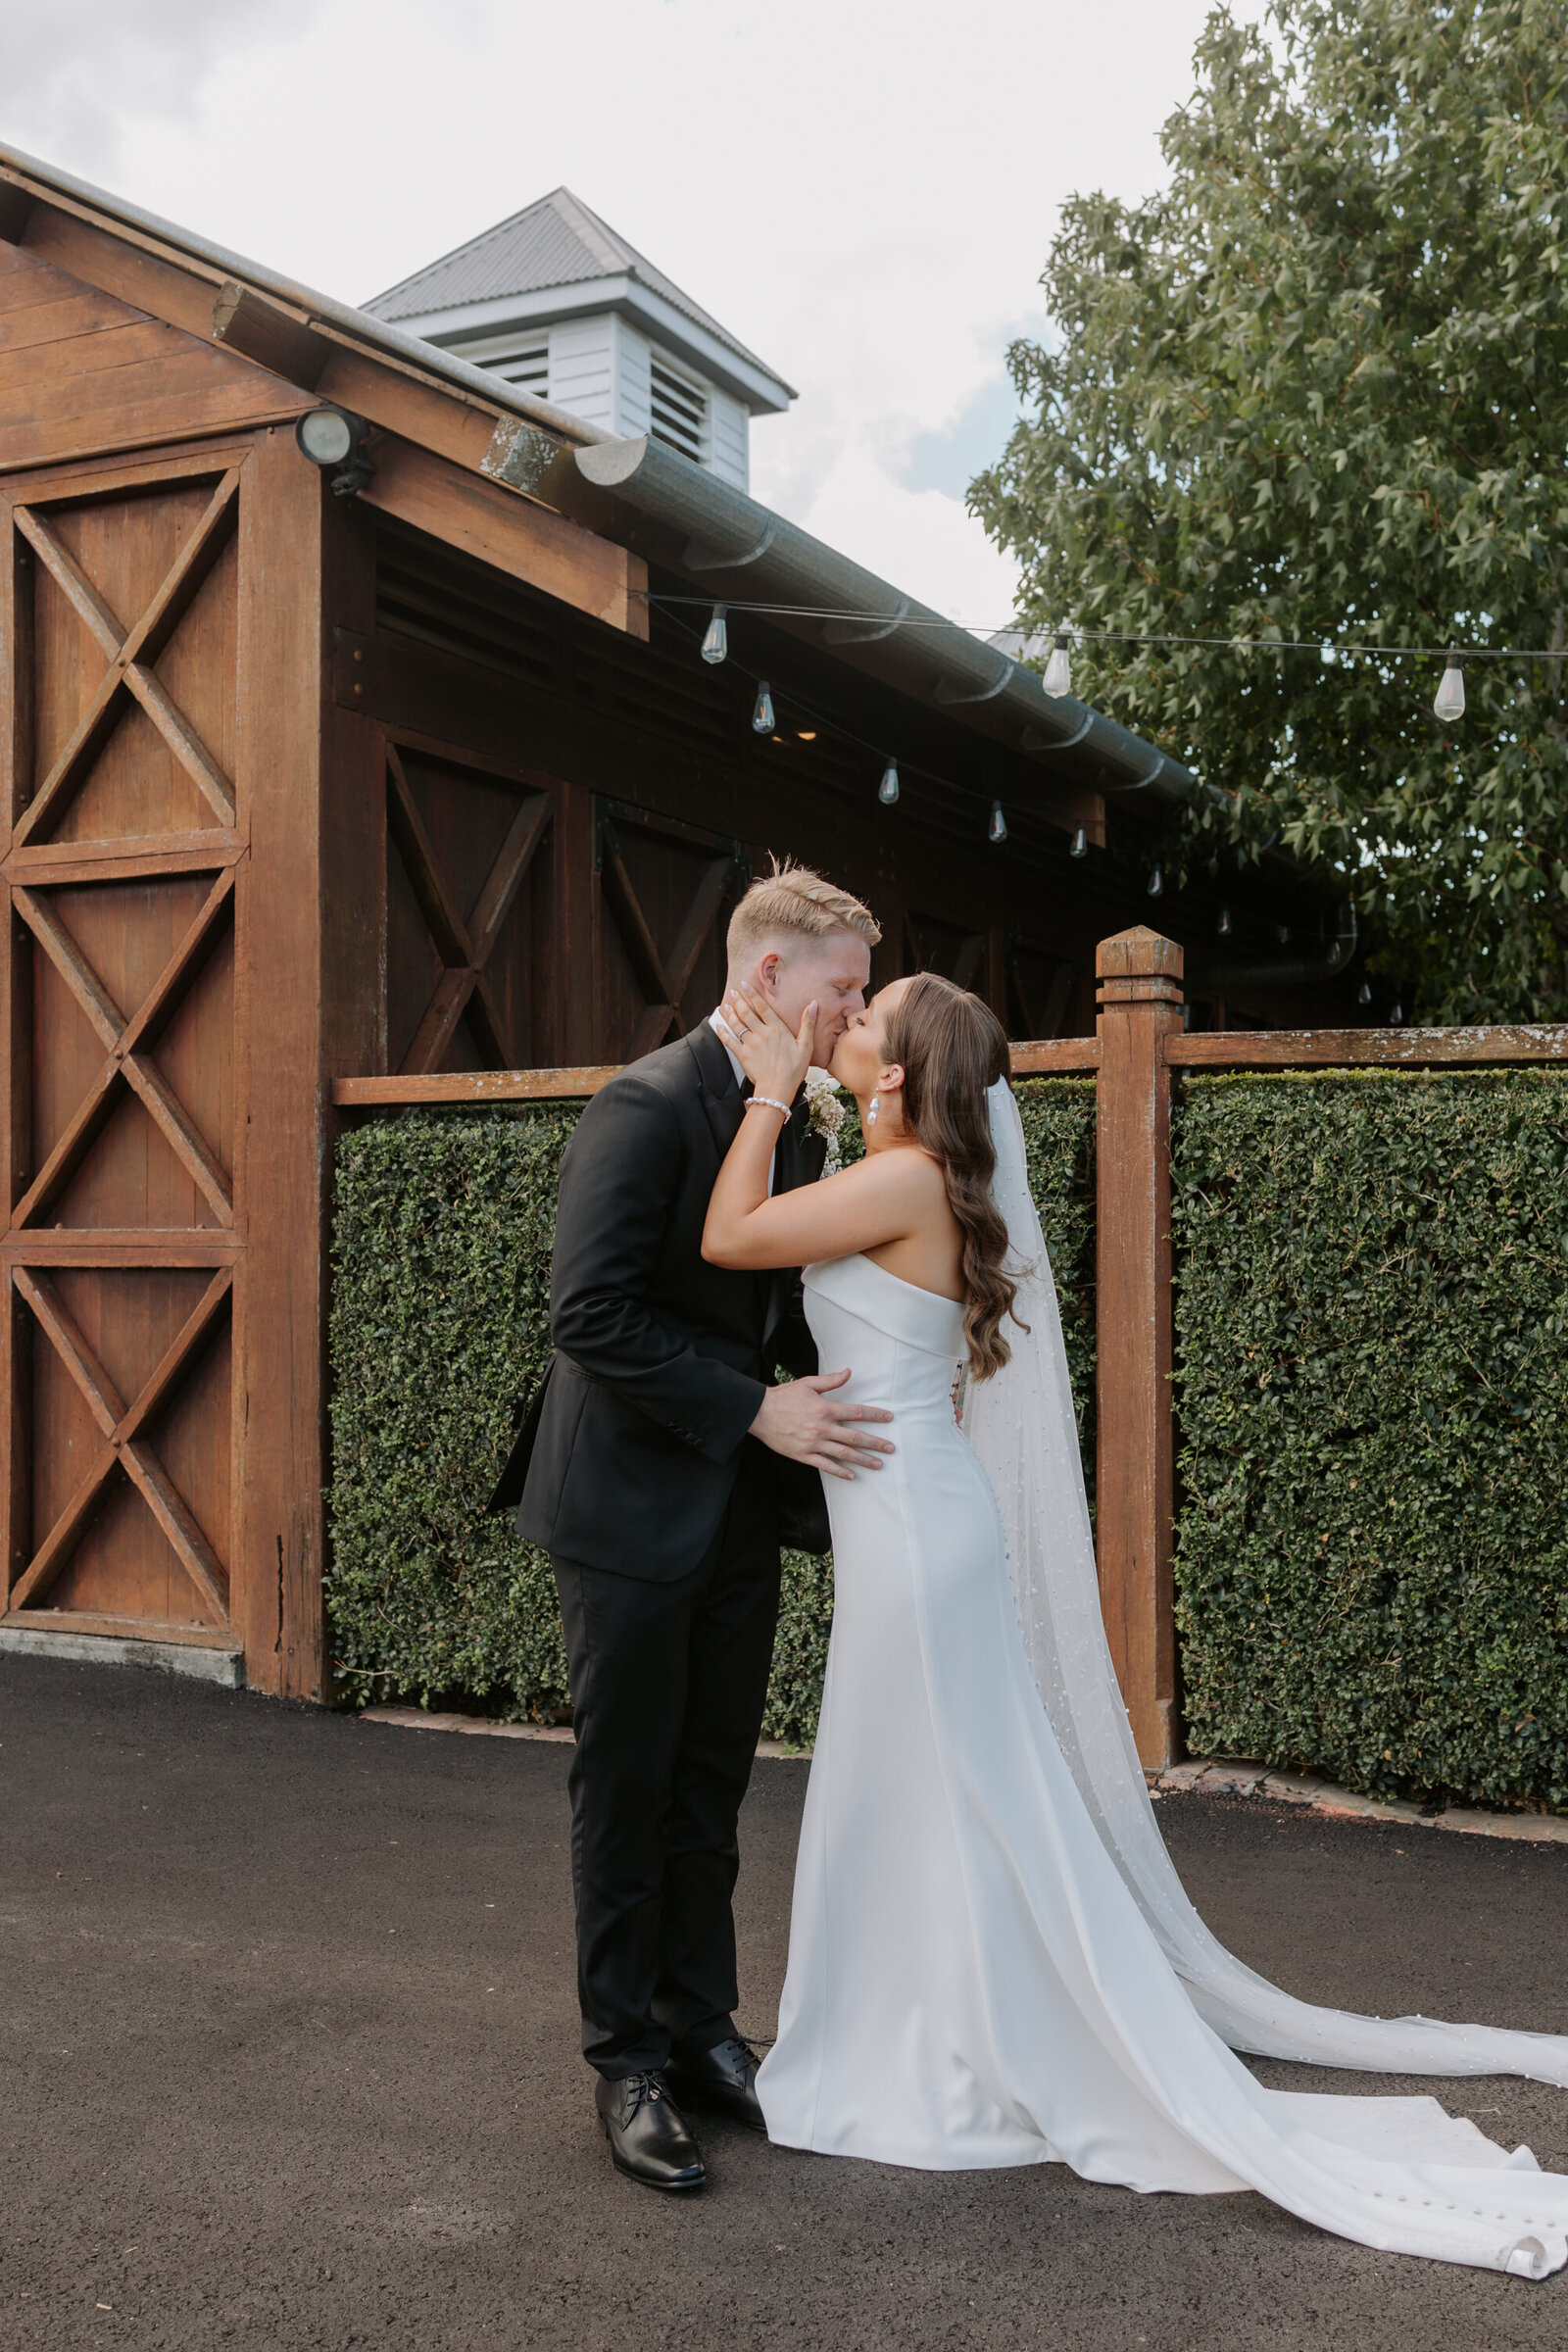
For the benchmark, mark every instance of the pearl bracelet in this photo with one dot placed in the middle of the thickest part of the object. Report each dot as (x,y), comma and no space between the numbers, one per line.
(770,1103)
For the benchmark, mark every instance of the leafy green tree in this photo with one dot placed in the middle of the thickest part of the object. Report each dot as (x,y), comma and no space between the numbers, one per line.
(1317,389)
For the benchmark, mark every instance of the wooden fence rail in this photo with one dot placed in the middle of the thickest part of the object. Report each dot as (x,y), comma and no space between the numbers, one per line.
(1138,1045)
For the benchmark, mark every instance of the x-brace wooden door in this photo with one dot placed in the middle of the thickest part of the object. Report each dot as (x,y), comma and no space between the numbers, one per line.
(125,844)
(665,892)
(469,976)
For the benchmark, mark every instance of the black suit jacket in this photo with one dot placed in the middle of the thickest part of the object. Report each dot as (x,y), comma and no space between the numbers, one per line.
(661,1359)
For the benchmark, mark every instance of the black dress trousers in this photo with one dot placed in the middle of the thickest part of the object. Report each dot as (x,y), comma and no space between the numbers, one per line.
(668,1680)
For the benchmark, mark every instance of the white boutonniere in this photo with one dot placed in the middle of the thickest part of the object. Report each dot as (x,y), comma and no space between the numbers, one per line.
(824,1107)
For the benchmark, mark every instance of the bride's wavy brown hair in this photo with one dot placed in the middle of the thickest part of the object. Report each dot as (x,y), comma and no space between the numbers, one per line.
(953,1049)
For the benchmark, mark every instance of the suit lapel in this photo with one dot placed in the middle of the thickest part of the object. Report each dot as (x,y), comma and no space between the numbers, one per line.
(723,1106)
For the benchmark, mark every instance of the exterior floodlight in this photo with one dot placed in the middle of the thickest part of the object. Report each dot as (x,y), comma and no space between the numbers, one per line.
(1080,843)
(1058,680)
(334,440)
(716,645)
(1448,701)
(887,792)
(763,710)
(998,828)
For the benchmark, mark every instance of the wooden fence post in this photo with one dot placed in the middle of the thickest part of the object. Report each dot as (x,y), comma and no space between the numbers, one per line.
(1140,976)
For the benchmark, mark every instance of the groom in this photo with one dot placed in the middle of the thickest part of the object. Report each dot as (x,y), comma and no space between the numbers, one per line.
(664,1466)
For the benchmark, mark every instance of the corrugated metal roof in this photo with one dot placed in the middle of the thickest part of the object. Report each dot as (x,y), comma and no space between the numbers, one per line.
(555,242)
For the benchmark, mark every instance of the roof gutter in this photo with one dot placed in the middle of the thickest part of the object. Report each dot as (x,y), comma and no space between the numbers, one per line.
(746,551)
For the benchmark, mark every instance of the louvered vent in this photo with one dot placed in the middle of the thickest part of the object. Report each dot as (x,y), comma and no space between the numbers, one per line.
(528,368)
(680,409)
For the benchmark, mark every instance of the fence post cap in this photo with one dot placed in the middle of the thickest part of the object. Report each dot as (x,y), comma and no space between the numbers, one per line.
(1138,955)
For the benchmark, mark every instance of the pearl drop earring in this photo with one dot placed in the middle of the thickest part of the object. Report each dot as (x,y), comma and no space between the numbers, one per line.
(871,1109)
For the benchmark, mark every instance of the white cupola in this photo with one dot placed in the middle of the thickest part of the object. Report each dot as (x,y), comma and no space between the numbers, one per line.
(558,303)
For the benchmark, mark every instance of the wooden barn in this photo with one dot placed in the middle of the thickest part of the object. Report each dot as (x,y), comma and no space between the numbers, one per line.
(400,760)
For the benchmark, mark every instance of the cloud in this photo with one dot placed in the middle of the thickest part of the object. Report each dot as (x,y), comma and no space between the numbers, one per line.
(79,82)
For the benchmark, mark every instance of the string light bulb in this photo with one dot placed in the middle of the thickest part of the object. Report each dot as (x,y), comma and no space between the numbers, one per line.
(1223,927)
(1080,843)
(1397,1017)
(1058,680)
(887,792)
(763,710)
(716,645)
(1447,704)
(997,828)
(1363,995)
(1157,882)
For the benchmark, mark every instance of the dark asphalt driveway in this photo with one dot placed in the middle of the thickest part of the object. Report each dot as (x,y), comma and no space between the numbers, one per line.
(290,2061)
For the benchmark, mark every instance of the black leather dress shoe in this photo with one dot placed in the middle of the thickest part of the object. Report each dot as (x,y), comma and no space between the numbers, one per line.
(725,2077)
(647,2132)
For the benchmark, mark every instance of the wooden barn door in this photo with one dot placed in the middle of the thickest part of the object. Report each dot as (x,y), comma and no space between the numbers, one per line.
(135,658)
(665,894)
(470,955)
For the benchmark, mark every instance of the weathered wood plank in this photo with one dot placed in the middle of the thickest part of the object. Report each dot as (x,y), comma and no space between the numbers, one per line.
(1371,1048)
(119,262)
(33,374)
(1140,997)
(145,410)
(124,859)
(101,1245)
(529,542)
(1054,1056)
(472,1085)
(1064,1055)
(54,319)
(130,1629)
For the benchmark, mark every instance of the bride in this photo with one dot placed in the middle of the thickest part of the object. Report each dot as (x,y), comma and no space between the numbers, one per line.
(992,1959)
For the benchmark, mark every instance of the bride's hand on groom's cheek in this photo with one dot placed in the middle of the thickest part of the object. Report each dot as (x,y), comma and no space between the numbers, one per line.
(774,1057)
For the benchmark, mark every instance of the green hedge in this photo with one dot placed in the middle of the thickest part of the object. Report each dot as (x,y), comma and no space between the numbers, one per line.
(1372,1382)
(440,1282)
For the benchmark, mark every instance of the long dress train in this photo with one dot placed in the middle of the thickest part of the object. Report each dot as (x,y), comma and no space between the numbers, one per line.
(986,1966)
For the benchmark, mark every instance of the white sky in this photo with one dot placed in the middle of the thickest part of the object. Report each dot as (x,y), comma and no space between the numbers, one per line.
(863,192)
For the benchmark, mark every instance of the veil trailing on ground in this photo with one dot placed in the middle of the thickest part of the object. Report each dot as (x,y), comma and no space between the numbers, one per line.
(1021,1425)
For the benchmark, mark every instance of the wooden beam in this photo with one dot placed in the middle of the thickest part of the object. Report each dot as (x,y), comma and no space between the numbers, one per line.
(1051,1057)
(528,542)
(278,1555)
(1140,998)
(106,1245)
(1365,1049)
(472,1085)
(273,334)
(127,1629)
(1055,1056)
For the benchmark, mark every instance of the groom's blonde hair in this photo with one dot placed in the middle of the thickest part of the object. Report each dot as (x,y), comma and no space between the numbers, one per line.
(792,903)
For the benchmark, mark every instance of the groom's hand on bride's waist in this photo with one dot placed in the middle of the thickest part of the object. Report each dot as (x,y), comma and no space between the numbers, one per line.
(805,1421)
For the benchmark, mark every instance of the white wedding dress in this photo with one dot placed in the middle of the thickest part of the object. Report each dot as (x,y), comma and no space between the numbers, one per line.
(992,1960)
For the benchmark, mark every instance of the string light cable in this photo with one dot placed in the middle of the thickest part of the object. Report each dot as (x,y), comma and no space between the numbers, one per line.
(1056,679)
(1325,647)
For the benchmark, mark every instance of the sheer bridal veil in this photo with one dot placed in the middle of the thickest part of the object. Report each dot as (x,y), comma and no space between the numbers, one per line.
(1021,1425)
